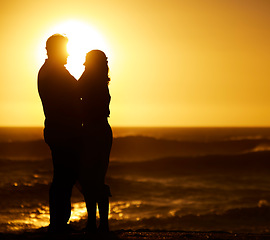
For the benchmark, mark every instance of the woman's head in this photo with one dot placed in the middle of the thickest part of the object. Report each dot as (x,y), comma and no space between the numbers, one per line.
(96,62)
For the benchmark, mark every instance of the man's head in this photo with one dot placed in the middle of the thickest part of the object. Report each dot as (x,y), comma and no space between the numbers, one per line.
(56,47)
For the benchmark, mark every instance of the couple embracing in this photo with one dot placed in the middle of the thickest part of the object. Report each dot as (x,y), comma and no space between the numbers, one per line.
(77,132)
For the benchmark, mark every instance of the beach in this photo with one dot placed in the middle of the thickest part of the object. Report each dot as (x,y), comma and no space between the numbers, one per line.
(139,235)
(182,183)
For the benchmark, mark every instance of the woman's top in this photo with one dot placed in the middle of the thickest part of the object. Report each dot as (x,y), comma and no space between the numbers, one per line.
(95,98)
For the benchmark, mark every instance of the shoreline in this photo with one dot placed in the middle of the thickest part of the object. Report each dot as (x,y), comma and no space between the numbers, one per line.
(136,235)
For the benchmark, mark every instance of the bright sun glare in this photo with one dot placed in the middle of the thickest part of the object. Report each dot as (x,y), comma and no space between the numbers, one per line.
(82,38)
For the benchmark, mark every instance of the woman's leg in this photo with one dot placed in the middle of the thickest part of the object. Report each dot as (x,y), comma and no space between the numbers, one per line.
(86,180)
(103,202)
(103,206)
(91,210)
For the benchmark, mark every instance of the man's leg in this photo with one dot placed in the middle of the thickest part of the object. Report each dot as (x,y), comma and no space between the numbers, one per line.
(64,178)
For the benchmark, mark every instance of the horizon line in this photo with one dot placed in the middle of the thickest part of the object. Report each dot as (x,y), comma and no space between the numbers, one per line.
(156,126)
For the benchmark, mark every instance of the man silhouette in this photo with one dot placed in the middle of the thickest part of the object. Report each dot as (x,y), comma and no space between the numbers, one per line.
(61,105)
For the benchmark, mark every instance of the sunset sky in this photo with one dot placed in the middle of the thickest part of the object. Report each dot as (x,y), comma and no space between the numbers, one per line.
(172,62)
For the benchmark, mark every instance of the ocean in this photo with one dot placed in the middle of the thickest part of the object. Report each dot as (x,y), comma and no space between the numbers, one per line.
(185,179)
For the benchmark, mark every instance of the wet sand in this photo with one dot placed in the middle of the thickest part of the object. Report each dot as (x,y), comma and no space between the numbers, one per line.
(136,235)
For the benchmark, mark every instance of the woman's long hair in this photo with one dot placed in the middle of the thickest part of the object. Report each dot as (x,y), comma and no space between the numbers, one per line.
(96,64)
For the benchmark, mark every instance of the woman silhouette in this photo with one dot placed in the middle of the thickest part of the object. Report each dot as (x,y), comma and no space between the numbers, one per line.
(93,85)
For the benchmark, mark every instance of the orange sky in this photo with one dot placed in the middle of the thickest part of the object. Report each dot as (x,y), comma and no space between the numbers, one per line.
(173,62)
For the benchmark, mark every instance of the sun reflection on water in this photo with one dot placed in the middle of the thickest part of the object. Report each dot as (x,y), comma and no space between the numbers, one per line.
(117,209)
(36,219)
(78,211)
(40,217)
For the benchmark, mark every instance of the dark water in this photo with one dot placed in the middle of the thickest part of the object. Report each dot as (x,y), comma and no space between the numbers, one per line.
(161,178)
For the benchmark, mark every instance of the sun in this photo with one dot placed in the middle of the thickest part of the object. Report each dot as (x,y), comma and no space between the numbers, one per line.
(82,38)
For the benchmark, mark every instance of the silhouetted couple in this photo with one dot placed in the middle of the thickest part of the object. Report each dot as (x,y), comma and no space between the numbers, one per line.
(77,132)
